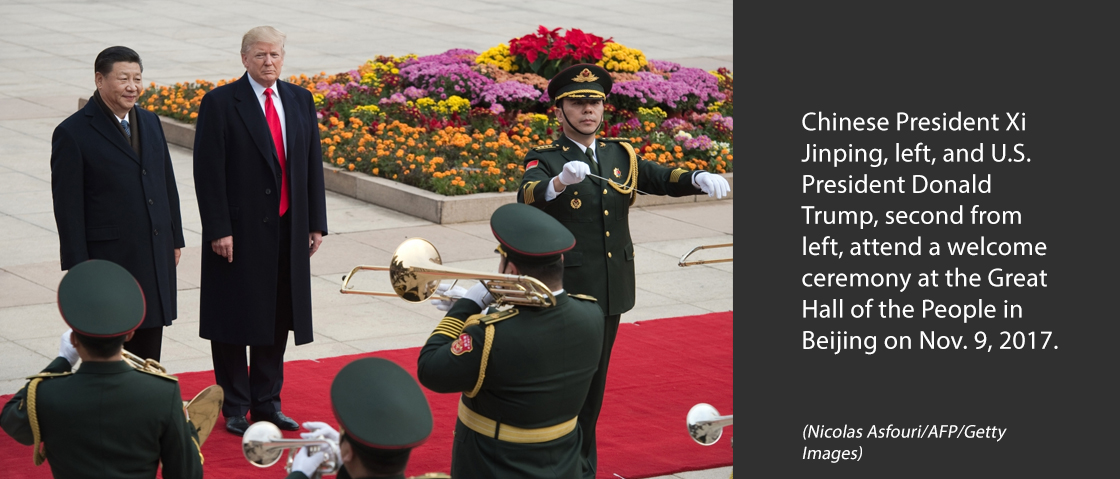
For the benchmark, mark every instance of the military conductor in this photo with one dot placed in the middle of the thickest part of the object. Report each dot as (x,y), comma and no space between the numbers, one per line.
(558,180)
(259,180)
(107,419)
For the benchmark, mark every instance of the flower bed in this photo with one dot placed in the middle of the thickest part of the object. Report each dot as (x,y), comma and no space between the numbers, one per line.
(460,122)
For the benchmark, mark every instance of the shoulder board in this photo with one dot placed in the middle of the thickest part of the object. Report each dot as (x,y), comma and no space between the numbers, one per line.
(49,375)
(616,140)
(159,374)
(499,316)
(585,297)
(550,146)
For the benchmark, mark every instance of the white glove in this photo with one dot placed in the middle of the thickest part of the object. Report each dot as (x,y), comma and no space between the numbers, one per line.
(480,295)
(713,185)
(66,350)
(574,172)
(445,289)
(317,429)
(308,464)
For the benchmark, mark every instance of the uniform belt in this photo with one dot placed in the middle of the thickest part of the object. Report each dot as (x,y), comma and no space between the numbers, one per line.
(487,427)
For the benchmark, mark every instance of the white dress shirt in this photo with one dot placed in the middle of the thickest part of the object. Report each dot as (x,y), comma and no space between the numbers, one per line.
(259,90)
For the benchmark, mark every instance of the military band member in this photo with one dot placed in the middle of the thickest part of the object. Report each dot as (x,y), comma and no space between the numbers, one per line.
(107,419)
(523,372)
(383,415)
(557,180)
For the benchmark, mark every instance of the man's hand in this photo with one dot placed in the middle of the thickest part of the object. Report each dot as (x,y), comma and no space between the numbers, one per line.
(177,254)
(314,239)
(224,247)
(316,429)
(66,349)
(574,172)
(713,185)
(446,289)
(308,464)
(480,295)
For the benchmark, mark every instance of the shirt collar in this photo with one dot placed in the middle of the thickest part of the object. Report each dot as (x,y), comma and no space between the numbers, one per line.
(258,89)
(582,149)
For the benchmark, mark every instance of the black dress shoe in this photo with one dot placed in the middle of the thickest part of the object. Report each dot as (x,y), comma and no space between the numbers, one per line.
(237,425)
(279,419)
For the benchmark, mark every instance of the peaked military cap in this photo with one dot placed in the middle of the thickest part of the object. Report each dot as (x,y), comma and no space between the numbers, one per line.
(528,235)
(101,299)
(582,80)
(379,405)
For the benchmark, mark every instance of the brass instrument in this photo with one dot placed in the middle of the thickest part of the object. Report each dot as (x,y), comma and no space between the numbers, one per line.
(149,365)
(416,271)
(682,262)
(263,443)
(705,425)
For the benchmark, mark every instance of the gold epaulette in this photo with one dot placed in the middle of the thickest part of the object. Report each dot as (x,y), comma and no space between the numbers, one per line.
(617,139)
(585,297)
(158,374)
(49,375)
(498,316)
(550,146)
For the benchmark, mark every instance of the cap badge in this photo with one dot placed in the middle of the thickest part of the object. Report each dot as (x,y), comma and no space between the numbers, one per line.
(585,76)
(576,203)
(462,345)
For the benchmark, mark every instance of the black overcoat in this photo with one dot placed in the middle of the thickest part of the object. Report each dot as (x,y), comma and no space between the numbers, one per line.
(237,181)
(112,204)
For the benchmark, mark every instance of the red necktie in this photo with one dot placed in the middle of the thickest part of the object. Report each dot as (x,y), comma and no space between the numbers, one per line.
(278,142)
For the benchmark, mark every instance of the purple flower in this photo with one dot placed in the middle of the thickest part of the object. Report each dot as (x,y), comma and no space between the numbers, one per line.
(394,98)
(497,109)
(722,122)
(662,92)
(413,93)
(701,142)
(650,76)
(440,77)
(453,56)
(665,66)
(673,124)
(509,92)
(705,84)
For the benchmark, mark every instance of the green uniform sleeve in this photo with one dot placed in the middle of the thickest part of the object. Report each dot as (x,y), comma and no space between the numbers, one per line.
(659,180)
(448,364)
(14,419)
(179,443)
(534,183)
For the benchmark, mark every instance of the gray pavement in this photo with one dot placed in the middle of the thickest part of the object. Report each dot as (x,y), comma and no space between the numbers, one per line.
(46,55)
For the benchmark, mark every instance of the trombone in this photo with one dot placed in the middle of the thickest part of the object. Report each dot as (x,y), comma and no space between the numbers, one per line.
(416,270)
(263,443)
(683,263)
(705,425)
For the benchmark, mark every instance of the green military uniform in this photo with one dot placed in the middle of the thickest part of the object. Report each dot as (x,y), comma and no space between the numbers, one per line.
(524,372)
(381,412)
(107,419)
(597,213)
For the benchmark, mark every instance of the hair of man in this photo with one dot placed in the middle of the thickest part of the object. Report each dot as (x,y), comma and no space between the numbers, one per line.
(108,57)
(262,34)
(101,348)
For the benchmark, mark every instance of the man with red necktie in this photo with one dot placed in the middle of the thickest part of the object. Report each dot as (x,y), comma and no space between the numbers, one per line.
(259,180)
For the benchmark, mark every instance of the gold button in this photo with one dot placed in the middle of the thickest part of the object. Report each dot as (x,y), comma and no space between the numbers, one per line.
(604,191)
(606,213)
(608,254)
(575,193)
(608,234)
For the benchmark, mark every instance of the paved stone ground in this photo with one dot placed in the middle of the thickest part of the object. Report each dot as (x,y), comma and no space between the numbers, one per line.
(46,55)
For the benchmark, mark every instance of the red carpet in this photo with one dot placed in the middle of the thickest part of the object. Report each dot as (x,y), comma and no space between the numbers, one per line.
(659,369)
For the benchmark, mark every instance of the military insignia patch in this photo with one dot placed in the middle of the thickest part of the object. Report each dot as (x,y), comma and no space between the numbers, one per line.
(601,144)
(462,345)
(585,76)
(617,173)
(532,164)
(565,148)
(576,203)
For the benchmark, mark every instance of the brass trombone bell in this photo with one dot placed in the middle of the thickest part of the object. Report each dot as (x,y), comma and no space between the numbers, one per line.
(682,262)
(263,444)
(416,270)
(705,425)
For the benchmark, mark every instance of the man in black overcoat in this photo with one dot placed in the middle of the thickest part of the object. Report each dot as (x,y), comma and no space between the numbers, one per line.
(114,192)
(259,181)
